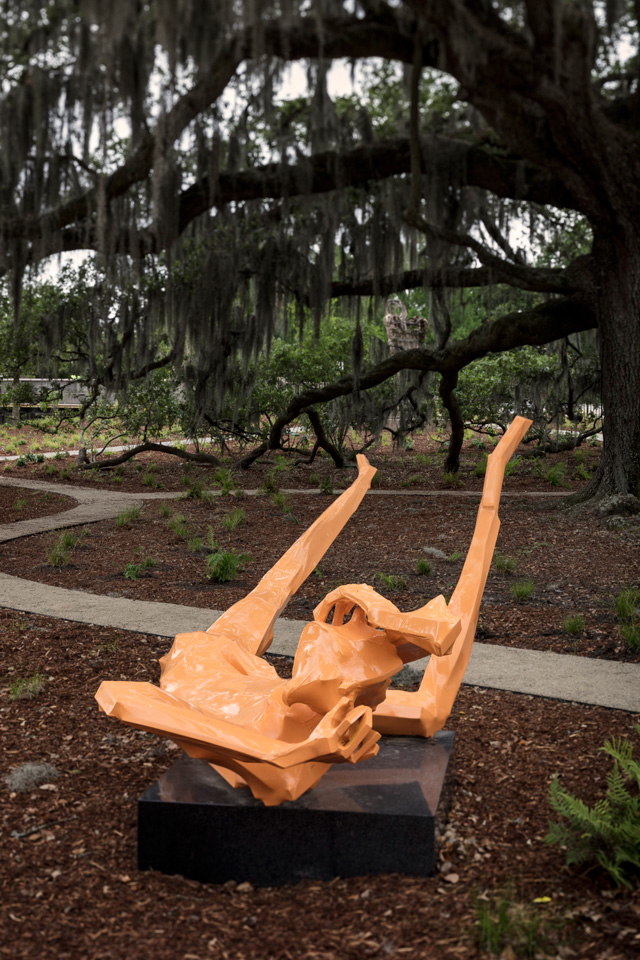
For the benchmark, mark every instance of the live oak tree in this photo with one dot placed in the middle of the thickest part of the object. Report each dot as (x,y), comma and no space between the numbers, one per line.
(149,134)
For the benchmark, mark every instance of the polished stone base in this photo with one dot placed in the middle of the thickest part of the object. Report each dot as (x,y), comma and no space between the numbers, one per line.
(379,816)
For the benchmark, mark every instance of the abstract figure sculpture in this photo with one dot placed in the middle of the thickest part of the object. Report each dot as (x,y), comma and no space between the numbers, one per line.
(220,701)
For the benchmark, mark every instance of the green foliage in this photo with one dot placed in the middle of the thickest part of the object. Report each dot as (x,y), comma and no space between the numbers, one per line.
(326,486)
(133,571)
(555,475)
(451,480)
(60,552)
(573,625)
(27,688)
(628,612)
(223,478)
(19,504)
(149,480)
(480,468)
(314,478)
(424,567)
(512,466)
(196,488)
(504,925)
(165,510)
(455,556)
(504,563)
(522,589)
(29,458)
(194,544)
(234,519)
(391,581)
(271,482)
(224,565)
(128,515)
(607,834)
(178,525)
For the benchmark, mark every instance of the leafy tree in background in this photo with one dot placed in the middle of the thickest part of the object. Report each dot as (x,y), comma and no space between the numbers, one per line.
(144,131)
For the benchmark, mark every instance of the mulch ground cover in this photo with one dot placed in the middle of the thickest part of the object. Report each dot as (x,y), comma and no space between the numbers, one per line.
(69,887)
(18,503)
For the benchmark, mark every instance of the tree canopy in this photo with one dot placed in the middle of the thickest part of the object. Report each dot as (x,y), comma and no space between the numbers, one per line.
(155,136)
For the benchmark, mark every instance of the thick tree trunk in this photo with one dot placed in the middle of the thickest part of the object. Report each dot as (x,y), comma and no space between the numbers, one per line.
(448,384)
(617,261)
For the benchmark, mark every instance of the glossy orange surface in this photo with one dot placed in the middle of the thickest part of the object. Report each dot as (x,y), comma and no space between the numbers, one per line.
(219,700)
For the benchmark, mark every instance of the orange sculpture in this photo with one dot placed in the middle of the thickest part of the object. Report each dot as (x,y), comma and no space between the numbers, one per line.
(220,701)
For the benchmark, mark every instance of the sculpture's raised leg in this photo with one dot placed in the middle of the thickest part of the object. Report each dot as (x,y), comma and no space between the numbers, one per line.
(425,712)
(250,621)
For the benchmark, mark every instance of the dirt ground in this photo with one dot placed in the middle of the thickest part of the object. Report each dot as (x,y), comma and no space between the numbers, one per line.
(69,888)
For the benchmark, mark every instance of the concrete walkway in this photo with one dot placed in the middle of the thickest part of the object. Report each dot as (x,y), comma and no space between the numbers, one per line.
(604,683)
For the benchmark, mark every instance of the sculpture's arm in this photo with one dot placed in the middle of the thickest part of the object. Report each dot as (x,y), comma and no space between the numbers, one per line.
(425,712)
(250,621)
(343,734)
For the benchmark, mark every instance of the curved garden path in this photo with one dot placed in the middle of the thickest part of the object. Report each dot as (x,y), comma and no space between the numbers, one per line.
(560,676)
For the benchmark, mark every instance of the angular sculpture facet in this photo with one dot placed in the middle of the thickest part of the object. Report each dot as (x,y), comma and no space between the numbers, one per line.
(220,701)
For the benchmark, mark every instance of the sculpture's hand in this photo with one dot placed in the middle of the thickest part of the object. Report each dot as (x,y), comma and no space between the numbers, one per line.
(344,733)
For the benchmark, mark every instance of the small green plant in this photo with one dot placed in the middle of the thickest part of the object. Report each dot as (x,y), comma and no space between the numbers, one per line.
(271,482)
(50,470)
(581,472)
(60,553)
(451,480)
(555,475)
(511,467)
(391,581)
(195,488)
(149,480)
(223,478)
(481,467)
(504,564)
(628,604)
(314,479)
(29,458)
(128,515)
(19,504)
(628,612)
(376,480)
(424,459)
(505,926)
(326,486)
(234,519)
(178,525)
(27,688)
(194,544)
(224,565)
(133,571)
(573,625)
(165,510)
(455,556)
(607,834)
(522,589)
(424,567)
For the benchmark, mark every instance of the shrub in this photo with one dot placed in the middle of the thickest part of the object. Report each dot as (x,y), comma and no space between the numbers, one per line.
(522,590)
(194,544)
(555,475)
(451,480)
(271,482)
(128,515)
(234,519)
(178,525)
(223,478)
(133,571)
(481,467)
(424,567)
(607,834)
(165,510)
(326,485)
(26,689)
(314,479)
(391,581)
(19,504)
(573,625)
(628,611)
(512,466)
(60,552)
(224,565)
(504,564)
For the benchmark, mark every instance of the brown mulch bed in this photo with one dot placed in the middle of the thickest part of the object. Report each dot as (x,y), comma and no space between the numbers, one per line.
(18,503)
(69,888)
(576,566)
(419,469)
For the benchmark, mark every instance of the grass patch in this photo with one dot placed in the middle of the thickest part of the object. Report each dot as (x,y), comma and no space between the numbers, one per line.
(522,590)
(573,625)
(504,563)
(234,519)
(424,567)
(128,515)
(27,688)
(224,565)
(60,553)
(391,581)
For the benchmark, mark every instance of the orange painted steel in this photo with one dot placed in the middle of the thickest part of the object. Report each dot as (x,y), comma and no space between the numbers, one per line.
(220,701)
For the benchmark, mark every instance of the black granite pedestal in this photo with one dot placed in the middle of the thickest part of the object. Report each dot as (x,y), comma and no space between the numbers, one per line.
(379,816)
